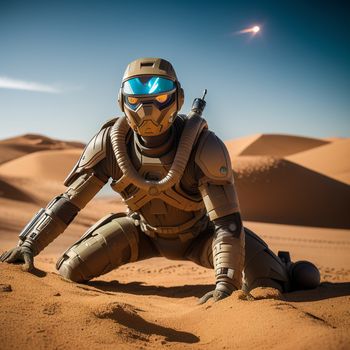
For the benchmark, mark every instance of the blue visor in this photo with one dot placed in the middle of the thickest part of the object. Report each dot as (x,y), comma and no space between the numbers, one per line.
(155,85)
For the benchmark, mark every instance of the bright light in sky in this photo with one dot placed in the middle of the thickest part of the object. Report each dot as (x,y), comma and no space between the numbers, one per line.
(254,30)
(63,51)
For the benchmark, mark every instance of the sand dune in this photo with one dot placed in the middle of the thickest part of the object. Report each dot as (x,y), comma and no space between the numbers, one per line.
(151,304)
(272,145)
(18,146)
(271,189)
(12,192)
(49,165)
(108,314)
(237,146)
(332,139)
(280,191)
(331,160)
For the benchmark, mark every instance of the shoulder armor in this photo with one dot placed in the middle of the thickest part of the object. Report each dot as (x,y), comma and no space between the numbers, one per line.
(93,153)
(108,123)
(180,122)
(212,157)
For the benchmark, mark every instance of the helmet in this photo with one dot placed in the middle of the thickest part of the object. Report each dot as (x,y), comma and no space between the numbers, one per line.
(150,95)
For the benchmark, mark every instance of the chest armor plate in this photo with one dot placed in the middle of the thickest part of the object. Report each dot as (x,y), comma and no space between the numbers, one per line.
(183,195)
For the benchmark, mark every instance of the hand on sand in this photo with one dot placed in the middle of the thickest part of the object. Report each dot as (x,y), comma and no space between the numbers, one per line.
(216,295)
(19,254)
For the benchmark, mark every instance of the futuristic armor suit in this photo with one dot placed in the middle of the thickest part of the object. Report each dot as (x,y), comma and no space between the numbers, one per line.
(175,177)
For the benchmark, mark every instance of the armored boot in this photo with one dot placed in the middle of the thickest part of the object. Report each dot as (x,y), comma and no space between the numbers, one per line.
(302,274)
(265,269)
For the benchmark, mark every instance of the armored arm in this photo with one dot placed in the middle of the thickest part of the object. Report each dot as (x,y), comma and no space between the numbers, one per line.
(216,185)
(50,222)
(87,177)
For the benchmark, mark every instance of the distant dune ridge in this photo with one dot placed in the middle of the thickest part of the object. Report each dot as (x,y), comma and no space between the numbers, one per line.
(272,145)
(49,164)
(282,181)
(12,192)
(280,178)
(283,192)
(18,146)
(332,159)
(293,180)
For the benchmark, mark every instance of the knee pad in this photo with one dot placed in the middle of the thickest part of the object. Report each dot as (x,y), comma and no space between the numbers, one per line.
(85,260)
(70,267)
(304,275)
(108,244)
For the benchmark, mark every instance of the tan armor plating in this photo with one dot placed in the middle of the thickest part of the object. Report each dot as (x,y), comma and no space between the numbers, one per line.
(194,125)
(111,242)
(150,66)
(83,186)
(213,159)
(148,119)
(175,176)
(152,187)
(83,189)
(216,186)
(262,268)
(94,254)
(48,228)
(50,225)
(220,199)
(94,152)
(228,258)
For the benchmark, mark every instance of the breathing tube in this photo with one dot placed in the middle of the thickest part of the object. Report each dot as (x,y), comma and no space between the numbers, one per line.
(194,125)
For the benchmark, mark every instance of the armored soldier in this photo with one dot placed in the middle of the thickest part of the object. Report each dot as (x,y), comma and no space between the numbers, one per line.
(175,177)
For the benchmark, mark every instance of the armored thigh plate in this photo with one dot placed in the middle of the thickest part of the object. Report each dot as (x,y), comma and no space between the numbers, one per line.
(111,242)
(262,267)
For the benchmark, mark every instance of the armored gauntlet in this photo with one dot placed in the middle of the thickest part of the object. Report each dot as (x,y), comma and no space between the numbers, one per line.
(48,223)
(42,229)
(216,186)
(228,253)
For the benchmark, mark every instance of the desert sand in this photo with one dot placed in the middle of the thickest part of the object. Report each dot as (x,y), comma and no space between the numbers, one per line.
(294,192)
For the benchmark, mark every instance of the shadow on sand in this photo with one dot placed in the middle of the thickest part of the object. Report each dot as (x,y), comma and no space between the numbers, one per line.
(138,288)
(38,273)
(139,327)
(326,290)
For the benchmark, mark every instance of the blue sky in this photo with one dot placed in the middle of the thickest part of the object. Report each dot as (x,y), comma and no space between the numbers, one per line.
(293,77)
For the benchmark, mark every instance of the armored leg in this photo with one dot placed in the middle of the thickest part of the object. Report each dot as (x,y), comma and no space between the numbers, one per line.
(262,267)
(200,251)
(111,242)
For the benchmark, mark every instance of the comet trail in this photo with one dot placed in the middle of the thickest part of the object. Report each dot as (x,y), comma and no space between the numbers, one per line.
(254,30)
